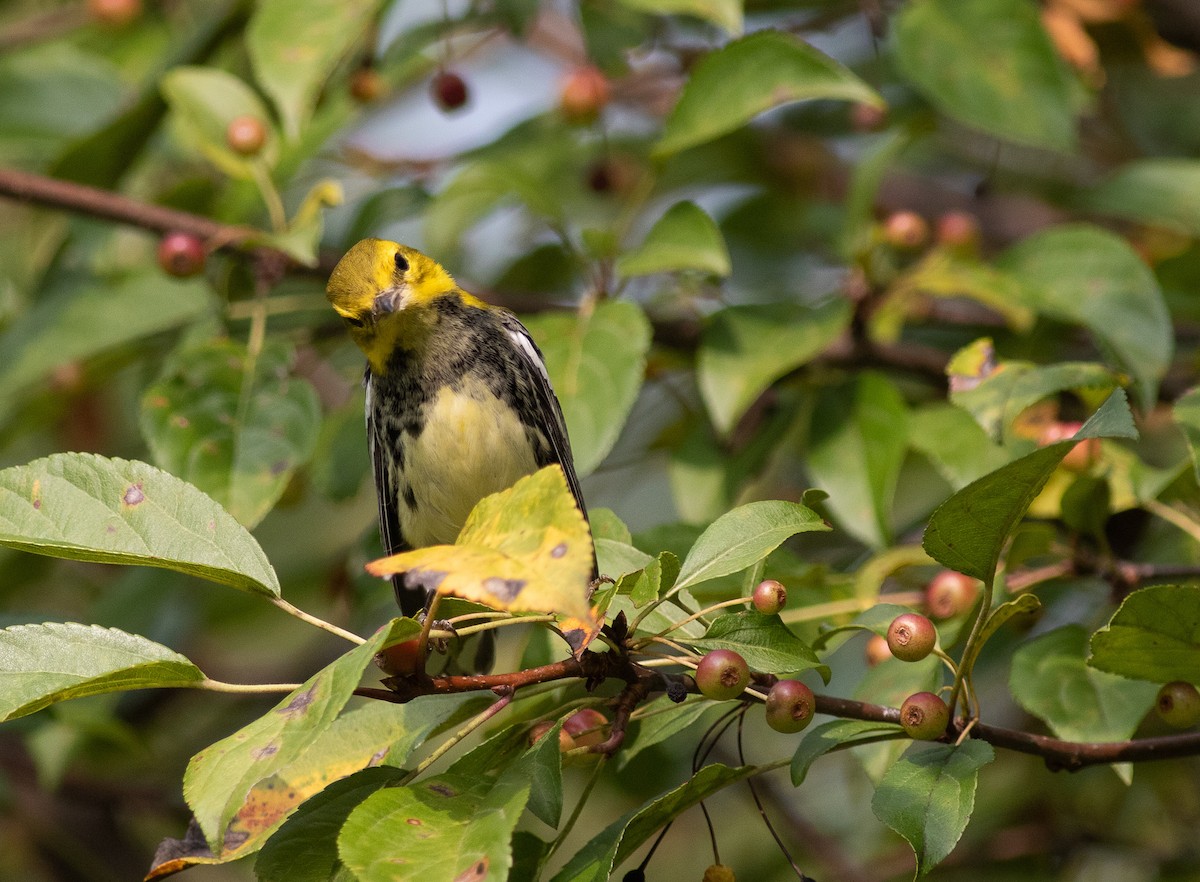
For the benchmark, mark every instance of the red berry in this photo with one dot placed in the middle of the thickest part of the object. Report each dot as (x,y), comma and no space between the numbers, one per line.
(1079,458)
(877,650)
(181,254)
(587,726)
(906,230)
(116,13)
(950,593)
(769,597)
(911,637)
(246,135)
(958,231)
(924,716)
(867,117)
(1178,704)
(790,706)
(449,90)
(722,674)
(539,731)
(400,659)
(585,92)
(367,85)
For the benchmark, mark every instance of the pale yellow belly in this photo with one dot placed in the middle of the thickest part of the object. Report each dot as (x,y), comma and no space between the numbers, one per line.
(471,446)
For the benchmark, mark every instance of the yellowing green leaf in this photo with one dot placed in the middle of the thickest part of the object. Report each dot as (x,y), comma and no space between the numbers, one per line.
(739,81)
(685,238)
(525,549)
(726,14)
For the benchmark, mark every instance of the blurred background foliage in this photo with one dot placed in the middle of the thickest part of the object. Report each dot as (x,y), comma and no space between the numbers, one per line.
(749,264)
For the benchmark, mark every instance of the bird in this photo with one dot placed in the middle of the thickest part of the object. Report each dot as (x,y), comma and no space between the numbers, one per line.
(459,404)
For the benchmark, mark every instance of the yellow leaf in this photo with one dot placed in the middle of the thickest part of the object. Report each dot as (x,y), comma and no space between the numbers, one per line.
(525,549)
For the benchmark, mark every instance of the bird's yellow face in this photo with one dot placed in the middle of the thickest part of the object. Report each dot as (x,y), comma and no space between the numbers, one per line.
(378,287)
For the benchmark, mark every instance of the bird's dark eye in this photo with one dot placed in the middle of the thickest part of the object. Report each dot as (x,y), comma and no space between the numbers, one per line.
(401,262)
(355,322)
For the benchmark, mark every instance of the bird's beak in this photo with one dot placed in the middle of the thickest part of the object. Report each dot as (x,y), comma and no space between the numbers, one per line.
(387,302)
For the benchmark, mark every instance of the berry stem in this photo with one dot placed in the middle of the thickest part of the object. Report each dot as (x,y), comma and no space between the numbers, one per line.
(210,685)
(474,723)
(579,805)
(737,601)
(316,622)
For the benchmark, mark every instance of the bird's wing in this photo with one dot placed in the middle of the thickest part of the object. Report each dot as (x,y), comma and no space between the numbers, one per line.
(555,428)
(410,601)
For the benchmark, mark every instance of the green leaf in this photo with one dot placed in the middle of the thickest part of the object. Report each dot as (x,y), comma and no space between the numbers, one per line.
(596,361)
(1024,605)
(859,224)
(734,84)
(968,530)
(1152,636)
(304,849)
(220,778)
(1089,276)
(1187,416)
(836,735)
(445,827)
(620,839)
(1050,678)
(303,234)
(744,536)
(294,46)
(859,439)
(664,719)
(650,581)
(991,65)
(81,317)
(237,427)
(685,238)
(744,349)
(1160,191)
(85,507)
(44,664)
(726,14)
(203,102)
(954,443)
(764,641)
(928,795)
(999,398)
(541,765)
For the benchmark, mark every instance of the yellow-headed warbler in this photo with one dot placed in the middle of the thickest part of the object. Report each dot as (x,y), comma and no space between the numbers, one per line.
(459,404)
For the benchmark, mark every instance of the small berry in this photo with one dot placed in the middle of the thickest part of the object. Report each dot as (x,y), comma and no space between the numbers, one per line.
(115,13)
(181,254)
(950,593)
(877,650)
(911,637)
(1079,458)
(449,90)
(400,659)
(539,731)
(867,117)
(722,674)
(584,93)
(587,726)
(246,135)
(905,230)
(769,597)
(366,85)
(924,716)
(958,231)
(719,873)
(790,706)
(1178,704)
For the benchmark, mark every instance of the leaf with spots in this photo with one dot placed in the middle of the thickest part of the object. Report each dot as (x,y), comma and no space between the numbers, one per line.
(238,789)
(44,664)
(86,507)
(446,827)
(237,427)
(525,549)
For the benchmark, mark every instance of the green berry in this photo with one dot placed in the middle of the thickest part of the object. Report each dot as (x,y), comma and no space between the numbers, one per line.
(1178,704)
